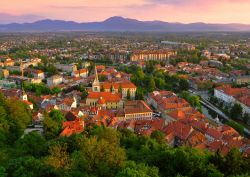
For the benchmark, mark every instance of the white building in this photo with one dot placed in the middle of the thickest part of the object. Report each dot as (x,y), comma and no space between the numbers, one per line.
(54,80)
(67,104)
(80,73)
(66,67)
(38,74)
(234,95)
(220,94)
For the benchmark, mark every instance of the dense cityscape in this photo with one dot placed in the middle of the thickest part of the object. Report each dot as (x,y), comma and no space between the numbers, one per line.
(125,104)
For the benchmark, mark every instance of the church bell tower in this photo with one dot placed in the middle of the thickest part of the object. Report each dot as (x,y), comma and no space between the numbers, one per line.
(96,83)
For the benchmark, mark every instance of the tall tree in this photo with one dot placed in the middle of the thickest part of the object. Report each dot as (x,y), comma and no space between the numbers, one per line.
(58,157)
(236,111)
(183,84)
(138,170)
(151,84)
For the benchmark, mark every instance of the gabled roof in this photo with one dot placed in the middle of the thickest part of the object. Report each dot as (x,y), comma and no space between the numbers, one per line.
(146,127)
(179,129)
(123,84)
(195,138)
(216,134)
(67,101)
(38,71)
(137,106)
(27,102)
(227,89)
(72,127)
(107,96)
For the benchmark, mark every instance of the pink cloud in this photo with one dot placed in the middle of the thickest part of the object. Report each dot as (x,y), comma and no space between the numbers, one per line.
(217,11)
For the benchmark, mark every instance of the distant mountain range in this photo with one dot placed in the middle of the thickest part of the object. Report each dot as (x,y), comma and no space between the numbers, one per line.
(119,24)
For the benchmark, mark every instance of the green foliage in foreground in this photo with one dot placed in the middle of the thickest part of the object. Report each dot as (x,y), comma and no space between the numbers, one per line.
(14,118)
(105,152)
(100,151)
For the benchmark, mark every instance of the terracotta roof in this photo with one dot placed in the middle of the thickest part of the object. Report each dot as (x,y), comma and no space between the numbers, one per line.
(227,89)
(27,102)
(107,96)
(83,71)
(12,92)
(67,101)
(72,127)
(179,129)
(227,130)
(186,113)
(38,71)
(199,125)
(177,114)
(215,145)
(174,103)
(127,124)
(137,106)
(117,85)
(146,127)
(100,67)
(214,133)
(201,146)
(101,101)
(195,138)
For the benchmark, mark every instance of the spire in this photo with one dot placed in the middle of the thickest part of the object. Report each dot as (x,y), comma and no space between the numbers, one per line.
(96,76)
(23,95)
(96,84)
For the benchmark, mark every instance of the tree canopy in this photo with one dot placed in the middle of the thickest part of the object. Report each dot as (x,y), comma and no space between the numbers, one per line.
(101,151)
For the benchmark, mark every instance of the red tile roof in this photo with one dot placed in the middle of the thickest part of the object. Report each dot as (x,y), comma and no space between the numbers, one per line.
(179,129)
(146,127)
(72,127)
(107,96)
(137,106)
(195,138)
(123,84)
(214,133)
(227,89)
(27,102)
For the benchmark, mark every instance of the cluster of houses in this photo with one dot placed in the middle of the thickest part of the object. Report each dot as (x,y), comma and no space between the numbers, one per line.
(181,124)
(112,102)
(203,76)
(231,95)
(9,65)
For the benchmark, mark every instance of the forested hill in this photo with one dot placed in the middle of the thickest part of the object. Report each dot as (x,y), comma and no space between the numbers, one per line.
(100,151)
(119,24)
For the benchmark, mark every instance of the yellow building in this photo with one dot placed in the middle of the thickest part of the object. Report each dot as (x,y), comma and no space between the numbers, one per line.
(242,79)
(137,110)
(146,55)
(4,73)
(123,87)
(106,100)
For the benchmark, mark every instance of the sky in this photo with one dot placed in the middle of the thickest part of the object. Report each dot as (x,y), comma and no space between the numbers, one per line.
(184,11)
